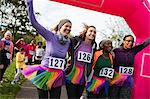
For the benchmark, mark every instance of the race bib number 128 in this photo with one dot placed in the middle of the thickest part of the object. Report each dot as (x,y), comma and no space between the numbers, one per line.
(126,70)
(106,72)
(56,63)
(84,57)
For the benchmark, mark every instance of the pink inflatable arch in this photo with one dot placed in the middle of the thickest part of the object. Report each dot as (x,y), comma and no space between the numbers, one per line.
(137,15)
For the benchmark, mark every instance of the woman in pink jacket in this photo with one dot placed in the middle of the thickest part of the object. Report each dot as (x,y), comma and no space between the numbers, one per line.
(8,37)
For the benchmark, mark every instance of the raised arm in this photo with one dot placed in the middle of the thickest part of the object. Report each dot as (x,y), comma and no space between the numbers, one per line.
(141,46)
(41,30)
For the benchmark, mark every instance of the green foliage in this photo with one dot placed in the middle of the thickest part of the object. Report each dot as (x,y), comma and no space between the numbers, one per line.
(27,38)
(14,17)
(8,91)
(39,38)
(7,97)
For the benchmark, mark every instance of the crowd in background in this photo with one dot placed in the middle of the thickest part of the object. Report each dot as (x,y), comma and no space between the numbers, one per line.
(77,62)
(25,54)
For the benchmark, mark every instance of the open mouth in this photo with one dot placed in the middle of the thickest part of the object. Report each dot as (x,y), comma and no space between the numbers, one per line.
(92,36)
(67,31)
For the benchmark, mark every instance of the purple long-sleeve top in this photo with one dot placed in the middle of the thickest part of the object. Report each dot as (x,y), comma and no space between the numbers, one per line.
(125,57)
(53,47)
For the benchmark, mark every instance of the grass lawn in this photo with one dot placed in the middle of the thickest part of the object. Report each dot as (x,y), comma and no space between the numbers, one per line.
(8,91)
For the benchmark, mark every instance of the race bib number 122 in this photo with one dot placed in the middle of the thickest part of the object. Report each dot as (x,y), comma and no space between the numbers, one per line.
(56,63)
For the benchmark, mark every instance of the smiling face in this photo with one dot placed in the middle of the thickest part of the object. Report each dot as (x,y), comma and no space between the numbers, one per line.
(107,46)
(91,33)
(128,42)
(65,29)
(7,37)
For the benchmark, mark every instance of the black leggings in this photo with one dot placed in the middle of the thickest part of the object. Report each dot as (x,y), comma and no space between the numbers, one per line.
(54,93)
(2,71)
(74,91)
(100,95)
(120,92)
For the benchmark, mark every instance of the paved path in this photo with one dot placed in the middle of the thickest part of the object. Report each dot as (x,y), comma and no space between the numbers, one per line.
(29,91)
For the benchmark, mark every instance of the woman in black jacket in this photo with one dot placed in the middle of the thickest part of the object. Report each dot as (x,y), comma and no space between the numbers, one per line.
(81,50)
(124,67)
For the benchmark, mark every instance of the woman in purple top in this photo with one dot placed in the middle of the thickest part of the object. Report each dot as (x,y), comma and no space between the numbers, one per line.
(82,49)
(123,64)
(49,75)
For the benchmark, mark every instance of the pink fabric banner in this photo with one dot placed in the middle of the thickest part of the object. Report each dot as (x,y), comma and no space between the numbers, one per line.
(141,89)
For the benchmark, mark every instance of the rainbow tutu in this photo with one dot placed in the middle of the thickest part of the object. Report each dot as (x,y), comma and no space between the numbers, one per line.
(95,84)
(42,77)
(118,79)
(76,76)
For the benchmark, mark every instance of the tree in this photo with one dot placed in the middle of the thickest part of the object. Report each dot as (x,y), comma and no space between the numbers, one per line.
(116,29)
(13,16)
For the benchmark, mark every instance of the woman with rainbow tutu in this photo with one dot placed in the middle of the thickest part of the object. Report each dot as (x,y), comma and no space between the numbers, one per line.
(98,86)
(49,76)
(82,49)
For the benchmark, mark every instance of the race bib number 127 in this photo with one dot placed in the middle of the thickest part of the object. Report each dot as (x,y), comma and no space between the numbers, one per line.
(84,57)
(56,63)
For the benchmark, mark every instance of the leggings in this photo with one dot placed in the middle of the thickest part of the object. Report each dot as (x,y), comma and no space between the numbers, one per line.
(74,91)
(2,71)
(124,91)
(54,93)
(100,95)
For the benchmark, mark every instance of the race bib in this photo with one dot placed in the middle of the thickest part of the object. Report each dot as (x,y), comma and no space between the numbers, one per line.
(39,53)
(8,55)
(126,70)
(84,56)
(106,72)
(31,52)
(56,63)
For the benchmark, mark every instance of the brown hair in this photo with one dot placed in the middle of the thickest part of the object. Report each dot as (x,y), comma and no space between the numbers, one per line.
(83,33)
(126,37)
(60,24)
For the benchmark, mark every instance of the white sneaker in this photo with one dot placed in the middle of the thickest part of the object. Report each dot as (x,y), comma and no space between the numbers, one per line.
(82,97)
(13,82)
